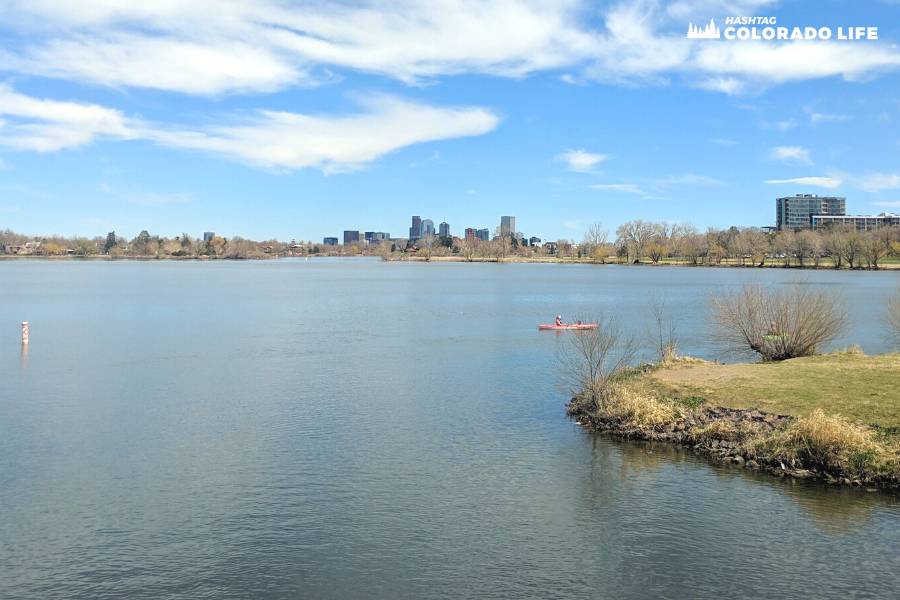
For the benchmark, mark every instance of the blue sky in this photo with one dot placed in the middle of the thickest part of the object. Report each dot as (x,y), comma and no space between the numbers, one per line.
(302,119)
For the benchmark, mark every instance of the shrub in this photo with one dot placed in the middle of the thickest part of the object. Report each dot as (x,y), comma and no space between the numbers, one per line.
(776,323)
(587,361)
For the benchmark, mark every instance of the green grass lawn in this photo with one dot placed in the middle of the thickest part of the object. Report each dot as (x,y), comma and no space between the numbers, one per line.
(859,387)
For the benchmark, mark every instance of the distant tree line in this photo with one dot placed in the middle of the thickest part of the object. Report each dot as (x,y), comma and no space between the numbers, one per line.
(145,245)
(834,246)
(635,242)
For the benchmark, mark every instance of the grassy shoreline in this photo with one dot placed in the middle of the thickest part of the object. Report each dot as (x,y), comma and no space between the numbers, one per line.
(831,417)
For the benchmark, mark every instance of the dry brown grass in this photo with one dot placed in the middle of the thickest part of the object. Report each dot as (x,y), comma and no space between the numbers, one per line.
(635,405)
(830,442)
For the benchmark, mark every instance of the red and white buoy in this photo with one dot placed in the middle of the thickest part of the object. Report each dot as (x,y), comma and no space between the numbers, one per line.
(24,332)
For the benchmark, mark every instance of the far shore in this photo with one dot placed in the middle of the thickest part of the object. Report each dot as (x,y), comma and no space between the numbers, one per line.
(887,264)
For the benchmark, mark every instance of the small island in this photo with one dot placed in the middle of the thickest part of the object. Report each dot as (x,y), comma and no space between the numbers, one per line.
(833,417)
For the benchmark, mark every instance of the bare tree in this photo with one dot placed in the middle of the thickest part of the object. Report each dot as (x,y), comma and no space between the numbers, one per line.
(850,246)
(635,235)
(656,252)
(659,329)
(590,358)
(384,250)
(874,247)
(594,238)
(808,245)
(467,248)
(784,246)
(758,245)
(776,322)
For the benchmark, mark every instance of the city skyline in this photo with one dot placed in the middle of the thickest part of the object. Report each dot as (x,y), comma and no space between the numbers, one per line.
(564,115)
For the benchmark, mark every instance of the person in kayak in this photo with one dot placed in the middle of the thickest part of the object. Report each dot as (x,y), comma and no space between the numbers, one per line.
(559,322)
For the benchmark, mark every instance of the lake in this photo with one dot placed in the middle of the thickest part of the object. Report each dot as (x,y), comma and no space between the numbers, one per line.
(357,429)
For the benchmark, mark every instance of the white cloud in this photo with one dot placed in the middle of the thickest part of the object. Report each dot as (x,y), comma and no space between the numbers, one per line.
(268,139)
(629,188)
(890,204)
(49,125)
(576,224)
(581,161)
(822,117)
(232,46)
(791,155)
(876,182)
(825,182)
(689,178)
(731,86)
(786,125)
(334,144)
(723,142)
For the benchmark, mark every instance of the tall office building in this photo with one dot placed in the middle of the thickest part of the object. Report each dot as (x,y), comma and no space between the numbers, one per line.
(444,229)
(796,212)
(351,236)
(507,226)
(208,235)
(427,227)
(373,237)
(483,234)
(415,232)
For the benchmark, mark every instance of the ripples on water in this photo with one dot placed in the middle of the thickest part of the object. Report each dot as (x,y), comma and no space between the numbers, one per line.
(328,429)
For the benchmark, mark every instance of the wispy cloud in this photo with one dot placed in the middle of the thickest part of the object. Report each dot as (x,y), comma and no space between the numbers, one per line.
(435,156)
(581,161)
(791,155)
(689,179)
(628,188)
(10,209)
(575,224)
(822,117)
(889,204)
(723,142)
(875,182)
(49,125)
(786,125)
(825,182)
(267,139)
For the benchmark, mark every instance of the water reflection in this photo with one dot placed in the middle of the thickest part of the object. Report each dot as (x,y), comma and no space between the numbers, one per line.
(831,508)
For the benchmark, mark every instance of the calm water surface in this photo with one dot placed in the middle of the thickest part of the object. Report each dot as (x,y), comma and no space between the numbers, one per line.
(355,429)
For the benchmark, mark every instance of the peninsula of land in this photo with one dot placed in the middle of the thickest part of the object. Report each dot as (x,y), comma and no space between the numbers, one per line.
(833,417)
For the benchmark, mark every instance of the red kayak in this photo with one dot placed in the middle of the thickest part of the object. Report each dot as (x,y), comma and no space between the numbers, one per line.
(561,327)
